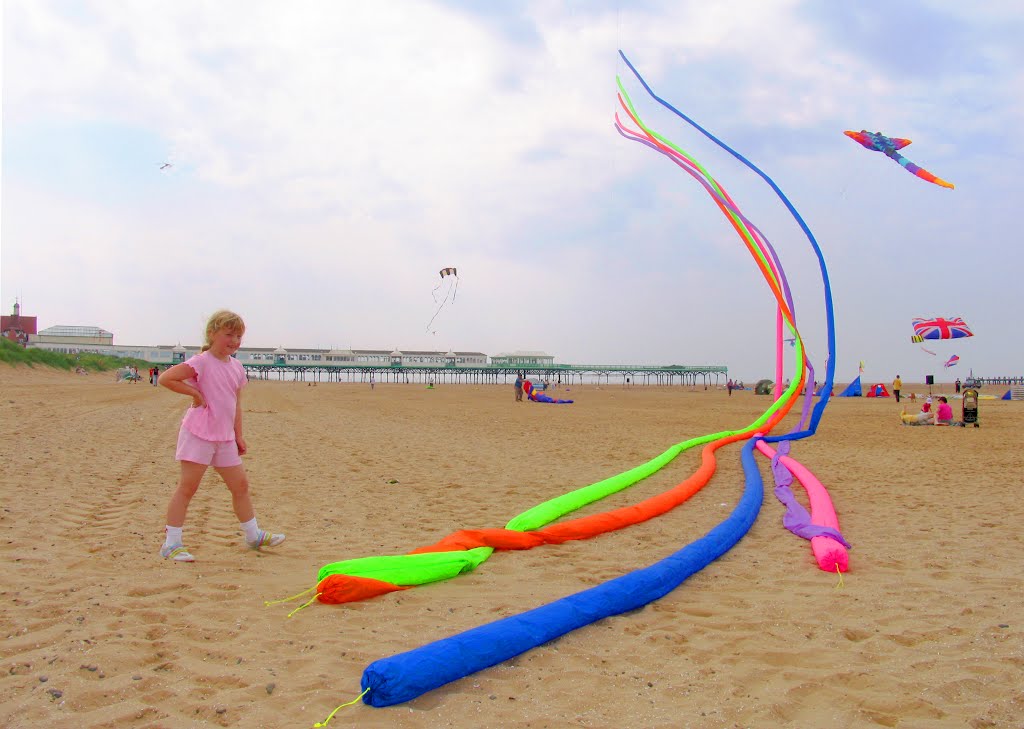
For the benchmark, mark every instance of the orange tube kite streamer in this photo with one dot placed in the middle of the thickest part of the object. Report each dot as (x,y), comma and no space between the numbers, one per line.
(342,588)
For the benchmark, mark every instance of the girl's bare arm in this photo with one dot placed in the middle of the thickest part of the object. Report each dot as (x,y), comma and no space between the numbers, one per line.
(239,438)
(174,380)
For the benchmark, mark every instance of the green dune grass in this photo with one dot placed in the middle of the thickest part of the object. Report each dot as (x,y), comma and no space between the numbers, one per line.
(15,354)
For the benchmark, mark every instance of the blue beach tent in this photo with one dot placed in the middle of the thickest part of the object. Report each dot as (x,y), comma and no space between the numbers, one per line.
(853,389)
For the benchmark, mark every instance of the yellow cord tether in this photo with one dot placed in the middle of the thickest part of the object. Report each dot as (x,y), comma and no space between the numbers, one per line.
(267,603)
(840,573)
(331,716)
(305,604)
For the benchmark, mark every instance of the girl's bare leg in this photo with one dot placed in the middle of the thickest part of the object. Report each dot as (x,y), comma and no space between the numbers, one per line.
(188,484)
(238,484)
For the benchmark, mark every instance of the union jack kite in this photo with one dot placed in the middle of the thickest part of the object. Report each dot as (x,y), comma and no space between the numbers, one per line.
(940,328)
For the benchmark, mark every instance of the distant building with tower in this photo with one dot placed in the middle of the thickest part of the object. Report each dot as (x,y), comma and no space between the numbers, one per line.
(16,327)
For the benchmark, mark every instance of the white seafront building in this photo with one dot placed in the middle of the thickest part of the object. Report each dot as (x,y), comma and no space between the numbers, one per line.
(407,365)
(86,339)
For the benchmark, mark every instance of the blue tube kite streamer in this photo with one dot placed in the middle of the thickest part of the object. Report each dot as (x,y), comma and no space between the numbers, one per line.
(830,364)
(405,676)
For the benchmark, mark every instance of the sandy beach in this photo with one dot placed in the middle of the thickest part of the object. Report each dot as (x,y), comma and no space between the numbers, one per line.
(96,630)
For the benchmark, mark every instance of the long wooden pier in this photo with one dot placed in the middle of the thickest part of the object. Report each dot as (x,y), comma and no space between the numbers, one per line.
(1005,380)
(491,374)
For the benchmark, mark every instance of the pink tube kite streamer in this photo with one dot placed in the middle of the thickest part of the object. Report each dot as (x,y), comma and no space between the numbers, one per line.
(829,554)
(778,353)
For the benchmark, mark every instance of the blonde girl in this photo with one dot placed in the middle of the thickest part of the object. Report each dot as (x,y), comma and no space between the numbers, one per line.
(211,432)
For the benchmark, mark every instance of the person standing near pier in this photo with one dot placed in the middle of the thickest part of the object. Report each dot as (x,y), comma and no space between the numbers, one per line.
(211,433)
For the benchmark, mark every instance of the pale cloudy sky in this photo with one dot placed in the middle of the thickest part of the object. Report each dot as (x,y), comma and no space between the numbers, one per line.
(330,157)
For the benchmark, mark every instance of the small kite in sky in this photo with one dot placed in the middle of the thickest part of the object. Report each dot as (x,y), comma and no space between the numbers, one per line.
(952,361)
(451,287)
(890,146)
(165,165)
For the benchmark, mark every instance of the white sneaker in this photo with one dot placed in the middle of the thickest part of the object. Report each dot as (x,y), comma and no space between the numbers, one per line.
(176,552)
(266,539)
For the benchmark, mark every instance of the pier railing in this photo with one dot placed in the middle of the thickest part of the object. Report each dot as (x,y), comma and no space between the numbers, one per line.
(628,374)
(999,380)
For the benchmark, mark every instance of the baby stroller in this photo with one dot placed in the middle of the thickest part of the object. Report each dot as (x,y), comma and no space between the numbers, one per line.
(970,407)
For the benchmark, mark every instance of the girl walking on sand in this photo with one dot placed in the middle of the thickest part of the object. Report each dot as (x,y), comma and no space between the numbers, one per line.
(211,432)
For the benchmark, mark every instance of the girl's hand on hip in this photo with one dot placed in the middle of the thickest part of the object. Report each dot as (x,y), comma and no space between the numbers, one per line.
(198,401)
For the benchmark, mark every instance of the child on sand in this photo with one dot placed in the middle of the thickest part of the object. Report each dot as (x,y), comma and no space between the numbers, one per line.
(211,432)
(943,413)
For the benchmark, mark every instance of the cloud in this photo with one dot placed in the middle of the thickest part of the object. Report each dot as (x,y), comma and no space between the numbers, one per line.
(331,158)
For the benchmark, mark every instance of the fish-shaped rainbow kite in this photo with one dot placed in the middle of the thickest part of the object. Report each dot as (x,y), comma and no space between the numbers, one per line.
(890,146)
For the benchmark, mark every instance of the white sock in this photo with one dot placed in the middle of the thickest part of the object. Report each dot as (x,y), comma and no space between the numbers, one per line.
(252,532)
(173,538)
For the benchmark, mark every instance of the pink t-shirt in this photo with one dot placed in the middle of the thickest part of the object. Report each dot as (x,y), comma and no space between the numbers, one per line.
(944,411)
(219,382)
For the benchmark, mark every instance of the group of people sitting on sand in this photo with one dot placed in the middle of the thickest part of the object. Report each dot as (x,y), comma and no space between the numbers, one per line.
(941,414)
(128,373)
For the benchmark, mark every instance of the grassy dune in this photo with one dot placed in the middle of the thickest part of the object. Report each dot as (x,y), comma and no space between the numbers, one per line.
(15,354)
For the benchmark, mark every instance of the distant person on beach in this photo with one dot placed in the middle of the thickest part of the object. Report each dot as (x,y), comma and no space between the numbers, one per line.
(897,385)
(957,385)
(729,386)
(926,416)
(211,432)
(941,414)
(371,380)
(155,376)
(921,418)
(519,387)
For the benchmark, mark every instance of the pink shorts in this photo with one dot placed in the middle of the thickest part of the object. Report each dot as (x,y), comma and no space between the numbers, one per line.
(216,453)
